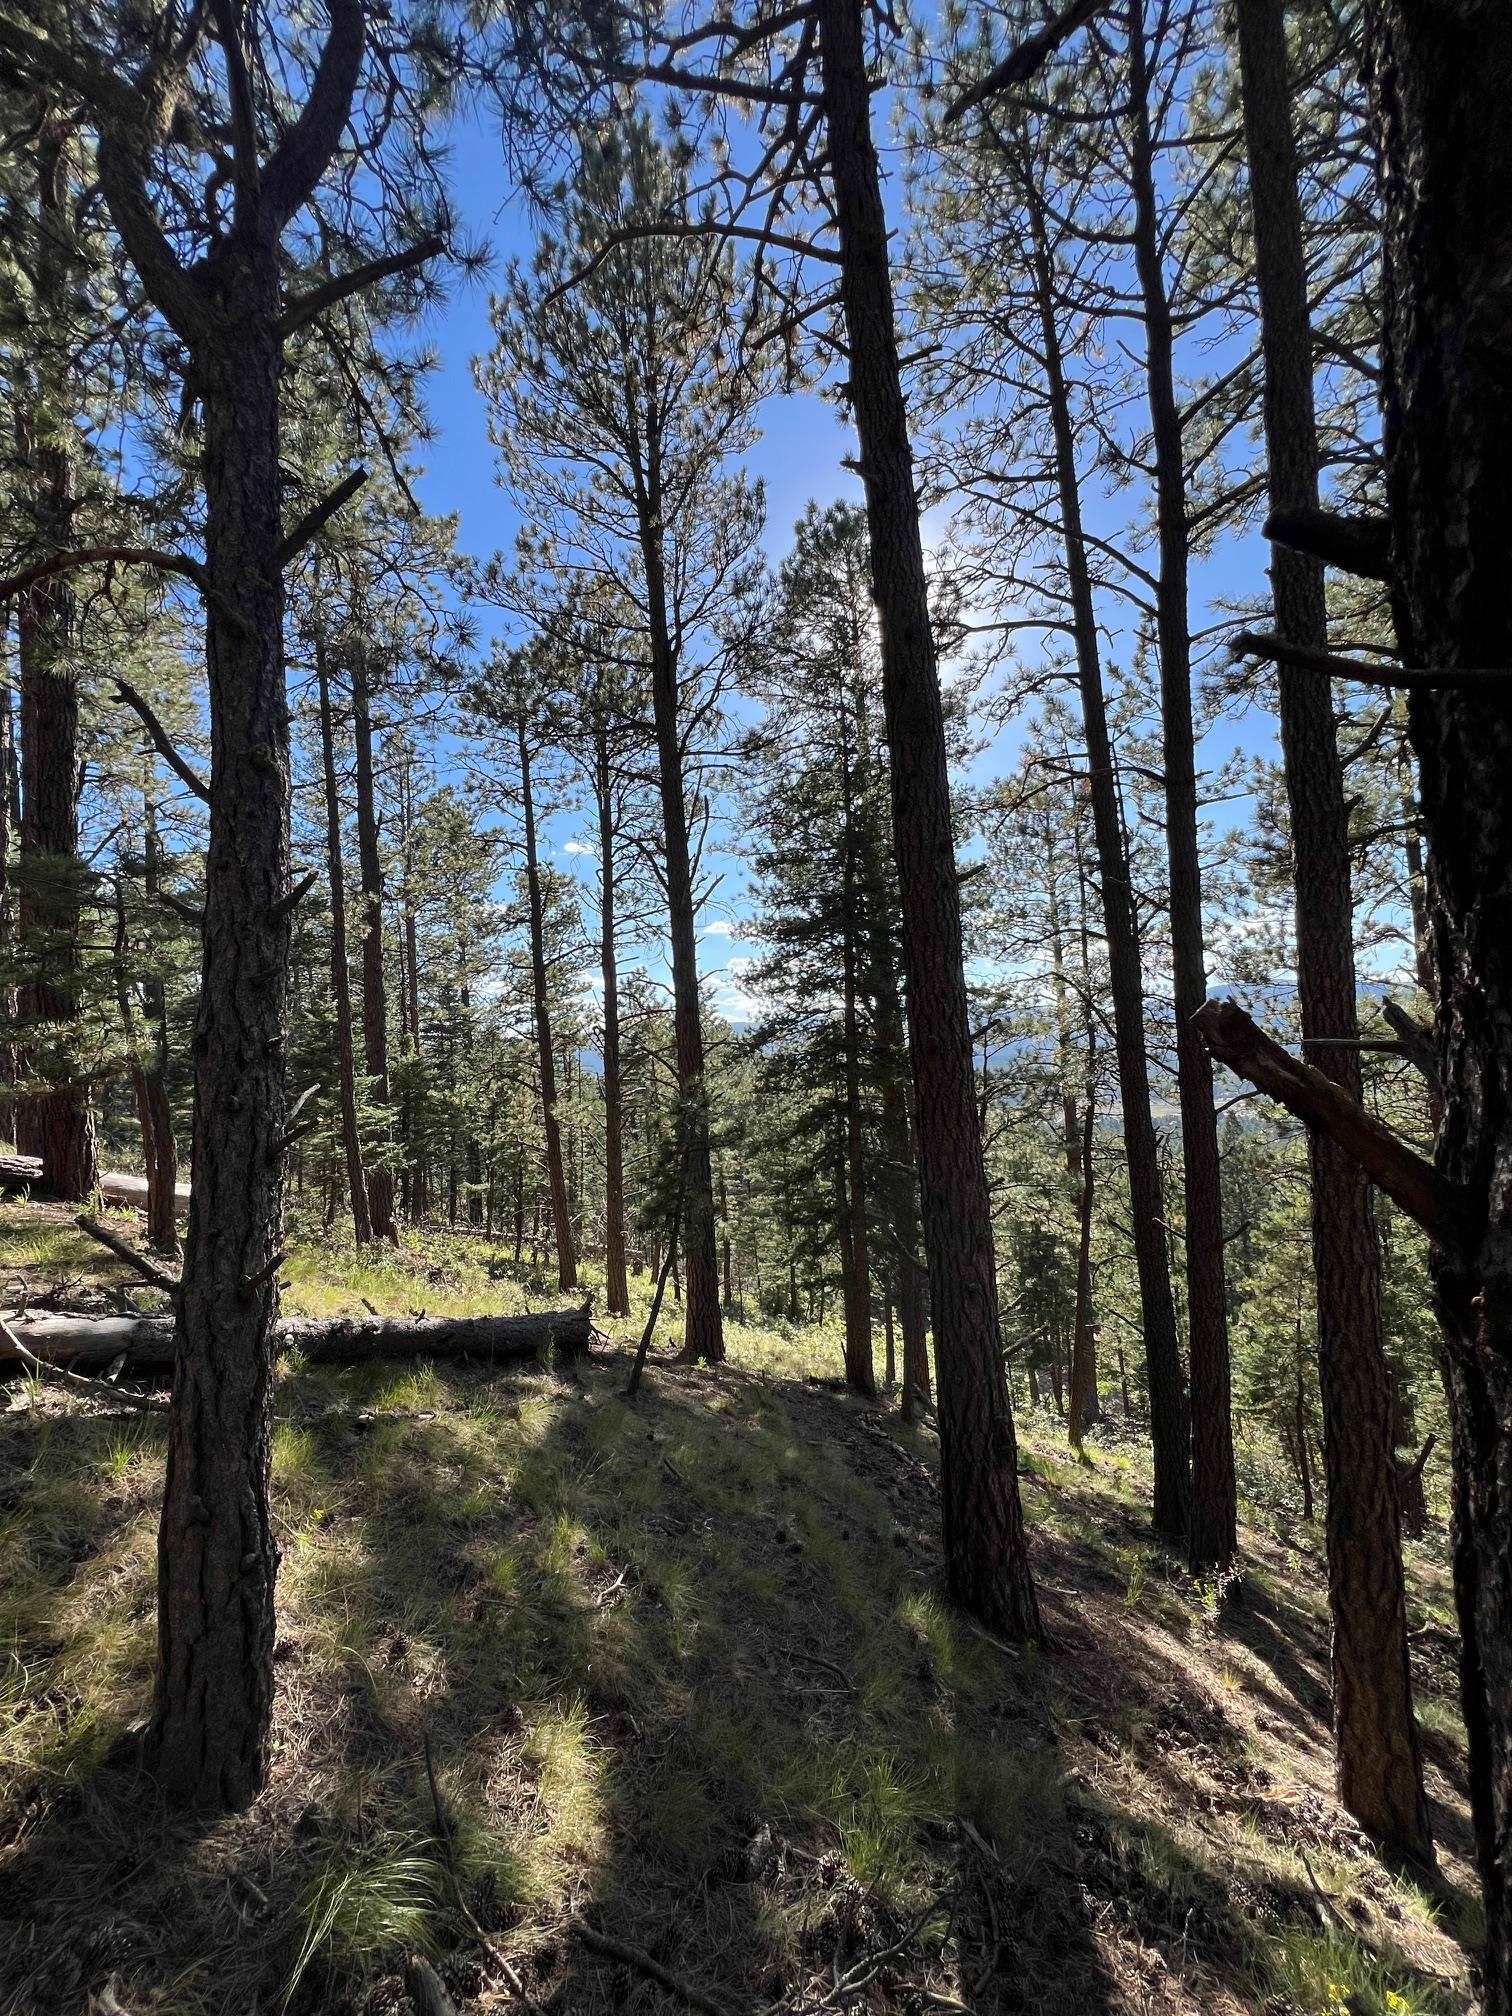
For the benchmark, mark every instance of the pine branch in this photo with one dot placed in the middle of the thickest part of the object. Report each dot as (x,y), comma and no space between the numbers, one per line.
(1027,58)
(161,741)
(96,556)
(1329,665)
(313,521)
(1235,1040)
(304,308)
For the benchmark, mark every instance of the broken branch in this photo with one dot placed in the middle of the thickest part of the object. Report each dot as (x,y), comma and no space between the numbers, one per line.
(1328,664)
(123,1250)
(161,740)
(1326,1108)
(306,528)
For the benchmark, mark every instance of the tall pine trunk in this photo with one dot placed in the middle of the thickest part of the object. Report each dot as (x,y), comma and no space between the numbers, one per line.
(1168,1414)
(703,1325)
(380,1178)
(987,1562)
(1441,82)
(616,1287)
(1213,1510)
(341,982)
(860,1368)
(217,1557)
(58,1124)
(1380,1775)
(556,1175)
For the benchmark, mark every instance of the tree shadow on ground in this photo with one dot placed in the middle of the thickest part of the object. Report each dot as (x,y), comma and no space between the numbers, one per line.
(678,1669)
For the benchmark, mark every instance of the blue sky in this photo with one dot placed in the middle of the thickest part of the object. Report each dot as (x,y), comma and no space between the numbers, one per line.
(799,457)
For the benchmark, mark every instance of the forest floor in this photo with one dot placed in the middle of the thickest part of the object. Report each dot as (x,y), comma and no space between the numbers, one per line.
(555,1669)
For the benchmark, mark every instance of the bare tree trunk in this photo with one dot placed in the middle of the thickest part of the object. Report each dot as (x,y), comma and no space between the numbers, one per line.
(703,1326)
(1169,1434)
(1375,1738)
(217,1558)
(58,1124)
(1212,1534)
(860,1370)
(1441,81)
(987,1563)
(10,833)
(380,1178)
(341,984)
(561,1214)
(617,1288)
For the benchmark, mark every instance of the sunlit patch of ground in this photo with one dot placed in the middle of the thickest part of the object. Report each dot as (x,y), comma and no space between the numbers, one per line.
(682,1669)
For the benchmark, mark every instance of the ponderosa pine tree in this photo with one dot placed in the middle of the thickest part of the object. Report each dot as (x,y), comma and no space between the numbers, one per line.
(616,355)
(1375,1737)
(209,240)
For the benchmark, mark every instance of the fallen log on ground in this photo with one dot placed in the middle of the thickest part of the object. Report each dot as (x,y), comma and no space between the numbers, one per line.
(146,1342)
(24,1172)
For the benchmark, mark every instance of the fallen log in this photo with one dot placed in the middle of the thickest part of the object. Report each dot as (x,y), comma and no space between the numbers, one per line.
(24,1172)
(146,1342)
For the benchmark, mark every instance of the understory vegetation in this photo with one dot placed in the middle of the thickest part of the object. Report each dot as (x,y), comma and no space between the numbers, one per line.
(681,1670)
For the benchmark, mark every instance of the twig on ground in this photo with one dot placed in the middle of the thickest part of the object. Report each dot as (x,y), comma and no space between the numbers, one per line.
(824,1665)
(1326,1906)
(124,1250)
(643,1963)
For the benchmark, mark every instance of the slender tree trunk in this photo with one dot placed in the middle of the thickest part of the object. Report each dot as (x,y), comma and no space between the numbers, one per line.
(380,1178)
(899,1146)
(617,1288)
(561,1214)
(1379,1770)
(1168,1413)
(1304,1465)
(157,1110)
(860,1370)
(1213,1513)
(10,833)
(341,984)
(703,1327)
(217,1558)
(1440,80)
(58,1124)
(987,1563)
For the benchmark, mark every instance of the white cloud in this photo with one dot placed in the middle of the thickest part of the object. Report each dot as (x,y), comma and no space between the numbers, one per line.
(718,927)
(577,847)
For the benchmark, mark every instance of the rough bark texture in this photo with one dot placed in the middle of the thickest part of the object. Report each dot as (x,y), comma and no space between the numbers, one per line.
(341,980)
(616,1287)
(1168,1414)
(1441,84)
(987,1564)
(860,1369)
(217,1557)
(561,1212)
(1379,1770)
(380,1179)
(1213,1512)
(57,1124)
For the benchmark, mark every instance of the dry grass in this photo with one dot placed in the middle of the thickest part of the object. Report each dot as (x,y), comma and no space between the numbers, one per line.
(683,1667)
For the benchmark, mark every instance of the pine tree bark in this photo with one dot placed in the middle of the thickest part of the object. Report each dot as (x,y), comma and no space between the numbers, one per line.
(58,1124)
(616,1287)
(1440,80)
(1379,1770)
(860,1368)
(556,1175)
(341,983)
(1212,1529)
(380,1179)
(703,1324)
(217,1558)
(899,1149)
(1169,1434)
(987,1563)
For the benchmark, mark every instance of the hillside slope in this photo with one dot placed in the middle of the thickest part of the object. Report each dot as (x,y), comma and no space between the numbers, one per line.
(559,1673)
